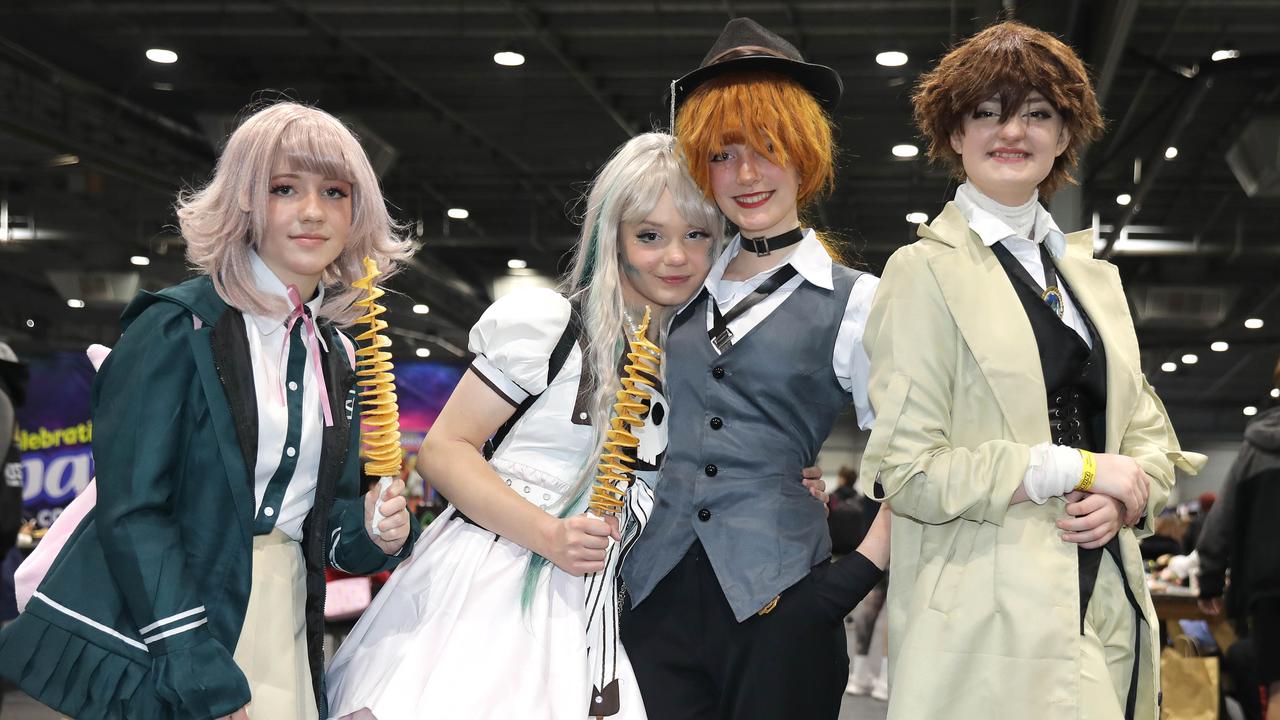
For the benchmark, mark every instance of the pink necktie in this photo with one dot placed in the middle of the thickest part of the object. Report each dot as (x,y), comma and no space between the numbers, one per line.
(299,312)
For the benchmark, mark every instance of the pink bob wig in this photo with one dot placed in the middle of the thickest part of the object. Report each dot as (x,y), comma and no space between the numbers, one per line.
(222,221)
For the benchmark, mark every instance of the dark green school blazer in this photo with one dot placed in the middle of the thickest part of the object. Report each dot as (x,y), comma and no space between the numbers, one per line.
(140,613)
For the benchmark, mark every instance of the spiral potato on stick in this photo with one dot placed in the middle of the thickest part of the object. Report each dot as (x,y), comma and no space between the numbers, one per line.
(617,459)
(380,416)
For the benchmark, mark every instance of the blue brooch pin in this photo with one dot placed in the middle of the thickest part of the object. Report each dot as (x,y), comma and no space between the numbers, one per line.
(1053,298)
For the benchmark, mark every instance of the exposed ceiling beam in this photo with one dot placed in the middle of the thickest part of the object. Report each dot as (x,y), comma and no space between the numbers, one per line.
(528,177)
(53,108)
(1258,311)
(1119,135)
(556,46)
(1154,163)
(1109,50)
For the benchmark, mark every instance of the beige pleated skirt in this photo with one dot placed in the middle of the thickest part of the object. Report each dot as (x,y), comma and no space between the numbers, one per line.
(272,651)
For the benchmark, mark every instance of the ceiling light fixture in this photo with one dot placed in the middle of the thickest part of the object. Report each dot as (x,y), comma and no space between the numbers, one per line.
(1170,152)
(162,56)
(32,323)
(891,58)
(905,151)
(75,303)
(63,160)
(1275,392)
(1224,54)
(458,213)
(1253,323)
(1169,366)
(917,217)
(140,260)
(421,309)
(517,264)
(422,352)
(508,58)
(1124,199)
(1190,359)
(1250,410)
(1219,346)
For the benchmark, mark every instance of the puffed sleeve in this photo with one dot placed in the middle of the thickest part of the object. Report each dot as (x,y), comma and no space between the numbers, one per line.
(513,341)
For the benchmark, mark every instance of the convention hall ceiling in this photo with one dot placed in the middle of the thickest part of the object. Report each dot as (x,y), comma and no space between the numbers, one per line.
(95,140)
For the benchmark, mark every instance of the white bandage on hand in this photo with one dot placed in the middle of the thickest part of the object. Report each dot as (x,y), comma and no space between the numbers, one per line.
(1053,470)
(378,517)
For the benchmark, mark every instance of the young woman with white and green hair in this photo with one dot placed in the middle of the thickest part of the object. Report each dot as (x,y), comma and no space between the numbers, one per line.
(475,623)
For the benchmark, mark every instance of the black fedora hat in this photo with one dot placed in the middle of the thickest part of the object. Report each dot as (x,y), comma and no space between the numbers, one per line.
(745,45)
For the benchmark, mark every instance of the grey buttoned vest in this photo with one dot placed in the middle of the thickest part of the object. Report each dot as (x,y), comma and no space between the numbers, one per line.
(743,425)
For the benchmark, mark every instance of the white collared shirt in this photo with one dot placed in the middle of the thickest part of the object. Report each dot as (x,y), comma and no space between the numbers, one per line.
(993,230)
(268,351)
(812,264)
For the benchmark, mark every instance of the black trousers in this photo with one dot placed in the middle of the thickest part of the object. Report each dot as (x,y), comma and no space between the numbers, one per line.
(693,660)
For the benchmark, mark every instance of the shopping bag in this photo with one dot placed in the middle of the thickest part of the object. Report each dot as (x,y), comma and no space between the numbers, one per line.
(1190,686)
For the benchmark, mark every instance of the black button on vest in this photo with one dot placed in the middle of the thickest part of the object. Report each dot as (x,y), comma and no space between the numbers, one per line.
(710,470)
(717,372)
(716,423)
(704,514)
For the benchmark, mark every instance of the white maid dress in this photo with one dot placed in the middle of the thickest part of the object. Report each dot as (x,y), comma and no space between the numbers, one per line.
(447,637)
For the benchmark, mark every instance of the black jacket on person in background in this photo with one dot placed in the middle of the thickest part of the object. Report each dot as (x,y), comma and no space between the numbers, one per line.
(1242,531)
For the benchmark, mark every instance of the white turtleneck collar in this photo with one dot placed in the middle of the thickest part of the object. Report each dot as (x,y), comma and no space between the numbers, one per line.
(994,221)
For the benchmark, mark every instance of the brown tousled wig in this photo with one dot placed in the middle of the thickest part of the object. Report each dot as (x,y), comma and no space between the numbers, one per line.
(1008,59)
(769,112)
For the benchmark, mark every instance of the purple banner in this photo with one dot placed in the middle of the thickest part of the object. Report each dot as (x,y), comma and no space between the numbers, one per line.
(54,433)
(55,429)
(422,389)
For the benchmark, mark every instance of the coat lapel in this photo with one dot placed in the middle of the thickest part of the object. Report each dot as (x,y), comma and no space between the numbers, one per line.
(340,381)
(993,323)
(1096,286)
(212,372)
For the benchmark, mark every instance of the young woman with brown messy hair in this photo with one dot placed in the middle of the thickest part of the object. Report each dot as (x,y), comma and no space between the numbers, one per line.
(1005,369)
(735,610)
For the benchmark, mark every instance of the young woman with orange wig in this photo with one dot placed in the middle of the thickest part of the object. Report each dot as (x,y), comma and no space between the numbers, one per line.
(735,609)
(1022,449)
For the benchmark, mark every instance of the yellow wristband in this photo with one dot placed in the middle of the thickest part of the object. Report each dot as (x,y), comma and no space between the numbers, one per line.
(1088,472)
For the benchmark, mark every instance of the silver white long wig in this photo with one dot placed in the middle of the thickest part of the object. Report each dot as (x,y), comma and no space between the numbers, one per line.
(625,190)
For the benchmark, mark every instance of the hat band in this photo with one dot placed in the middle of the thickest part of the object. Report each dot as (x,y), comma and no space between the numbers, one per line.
(745,51)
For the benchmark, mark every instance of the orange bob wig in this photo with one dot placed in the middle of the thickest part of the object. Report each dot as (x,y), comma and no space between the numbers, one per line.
(770,113)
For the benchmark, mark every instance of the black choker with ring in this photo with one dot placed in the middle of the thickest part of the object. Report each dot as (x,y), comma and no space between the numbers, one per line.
(766,245)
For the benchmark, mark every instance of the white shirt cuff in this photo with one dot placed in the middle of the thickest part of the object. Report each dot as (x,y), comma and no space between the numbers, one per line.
(1053,470)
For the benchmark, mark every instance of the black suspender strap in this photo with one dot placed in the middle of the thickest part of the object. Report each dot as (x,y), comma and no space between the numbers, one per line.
(559,354)
(720,334)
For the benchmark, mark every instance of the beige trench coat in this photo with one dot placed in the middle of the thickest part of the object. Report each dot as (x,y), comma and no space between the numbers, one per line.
(984,598)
